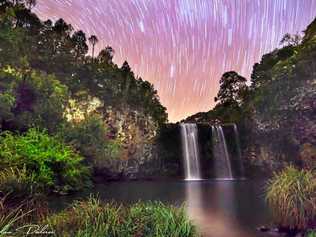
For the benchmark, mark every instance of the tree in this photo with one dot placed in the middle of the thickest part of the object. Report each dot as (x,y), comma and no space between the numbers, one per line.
(125,67)
(26,19)
(47,47)
(93,40)
(292,40)
(106,55)
(16,2)
(30,3)
(33,99)
(128,79)
(79,40)
(62,28)
(232,88)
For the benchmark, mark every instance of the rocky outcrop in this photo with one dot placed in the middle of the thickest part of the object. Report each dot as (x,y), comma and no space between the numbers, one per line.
(146,150)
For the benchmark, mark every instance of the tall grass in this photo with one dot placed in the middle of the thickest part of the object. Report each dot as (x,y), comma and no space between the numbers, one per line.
(93,218)
(17,184)
(157,219)
(20,198)
(291,195)
(29,211)
(9,219)
(12,216)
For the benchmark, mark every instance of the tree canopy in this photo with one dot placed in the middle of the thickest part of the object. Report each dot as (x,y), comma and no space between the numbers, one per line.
(28,44)
(232,88)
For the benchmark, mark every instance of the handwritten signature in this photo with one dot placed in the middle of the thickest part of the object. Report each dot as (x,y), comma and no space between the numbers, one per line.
(30,230)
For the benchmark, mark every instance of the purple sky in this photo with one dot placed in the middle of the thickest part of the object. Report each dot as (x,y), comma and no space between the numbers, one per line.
(184,46)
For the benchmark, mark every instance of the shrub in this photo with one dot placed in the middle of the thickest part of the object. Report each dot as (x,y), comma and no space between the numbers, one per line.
(291,195)
(92,218)
(48,162)
(89,136)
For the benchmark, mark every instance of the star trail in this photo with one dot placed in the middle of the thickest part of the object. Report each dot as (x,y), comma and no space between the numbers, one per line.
(184,46)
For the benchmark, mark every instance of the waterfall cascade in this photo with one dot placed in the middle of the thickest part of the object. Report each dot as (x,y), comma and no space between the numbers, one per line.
(223,166)
(241,166)
(190,149)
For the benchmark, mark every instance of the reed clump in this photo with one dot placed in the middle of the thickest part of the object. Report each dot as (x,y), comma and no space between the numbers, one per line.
(291,195)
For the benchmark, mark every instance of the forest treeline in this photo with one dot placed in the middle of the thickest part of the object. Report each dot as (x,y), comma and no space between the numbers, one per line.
(33,52)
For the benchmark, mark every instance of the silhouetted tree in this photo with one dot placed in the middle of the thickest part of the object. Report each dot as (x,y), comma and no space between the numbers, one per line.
(61,27)
(289,39)
(106,55)
(93,40)
(30,3)
(232,87)
(79,40)
(125,67)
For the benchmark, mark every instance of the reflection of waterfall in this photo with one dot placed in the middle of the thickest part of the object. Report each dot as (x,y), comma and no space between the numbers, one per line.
(190,151)
(241,166)
(214,213)
(223,167)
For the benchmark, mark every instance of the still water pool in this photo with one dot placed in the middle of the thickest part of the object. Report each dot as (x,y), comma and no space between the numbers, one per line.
(219,208)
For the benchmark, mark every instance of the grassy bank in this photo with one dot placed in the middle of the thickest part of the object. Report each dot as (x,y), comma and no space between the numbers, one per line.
(94,218)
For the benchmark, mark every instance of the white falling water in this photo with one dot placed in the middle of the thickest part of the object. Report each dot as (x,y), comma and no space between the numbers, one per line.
(241,166)
(221,156)
(189,135)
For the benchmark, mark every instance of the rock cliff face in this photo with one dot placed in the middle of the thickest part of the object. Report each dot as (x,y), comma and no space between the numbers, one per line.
(136,134)
(305,105)
(289,137)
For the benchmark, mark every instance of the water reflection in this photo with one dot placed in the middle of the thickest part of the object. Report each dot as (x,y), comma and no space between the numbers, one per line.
(215,215)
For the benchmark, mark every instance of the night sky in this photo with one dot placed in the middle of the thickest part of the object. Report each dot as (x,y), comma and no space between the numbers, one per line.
(184,46)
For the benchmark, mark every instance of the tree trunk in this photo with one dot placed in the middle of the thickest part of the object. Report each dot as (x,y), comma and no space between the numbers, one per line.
(92,52)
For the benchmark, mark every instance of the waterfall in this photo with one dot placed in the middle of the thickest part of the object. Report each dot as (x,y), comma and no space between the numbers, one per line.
(190,150)
(222,163)
(241,166)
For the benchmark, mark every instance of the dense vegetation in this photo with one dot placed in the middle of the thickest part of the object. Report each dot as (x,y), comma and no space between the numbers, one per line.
(49,82)
(47,162)
(92,218)
(29,45)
